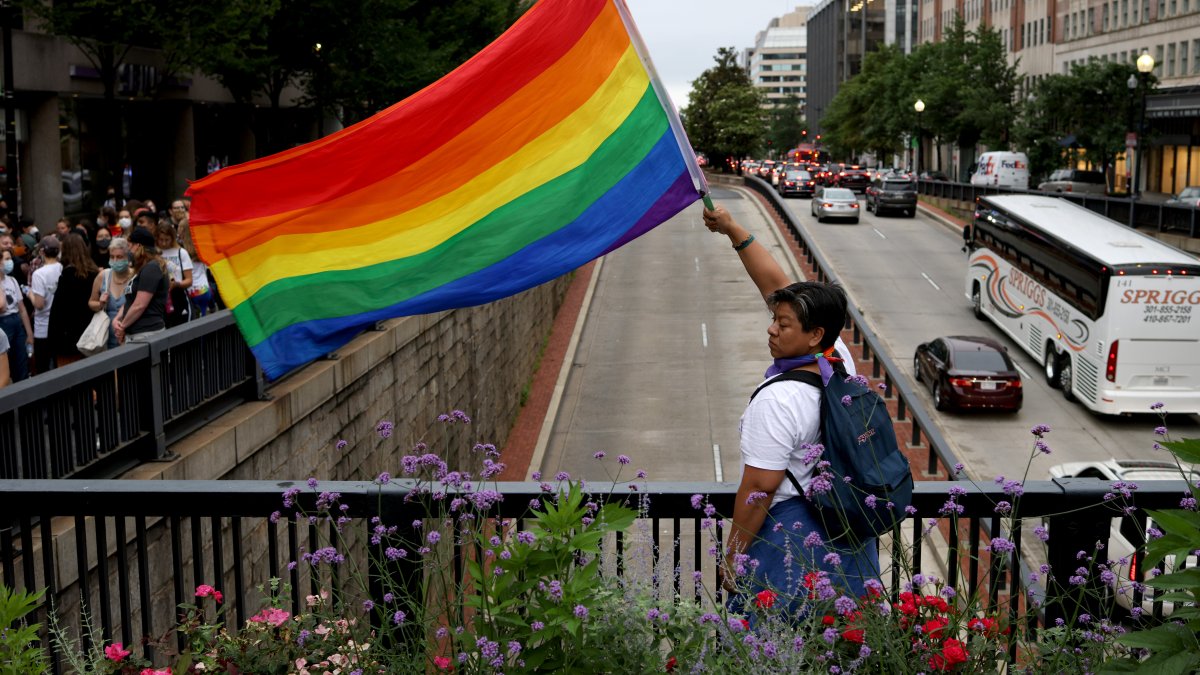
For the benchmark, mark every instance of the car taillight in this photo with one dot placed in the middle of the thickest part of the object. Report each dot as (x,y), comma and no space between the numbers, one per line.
(810,182)
(1110,372)
(1133,567)
(1015,384)
(854,206)
(960,381)
(826,205)
(1068,187)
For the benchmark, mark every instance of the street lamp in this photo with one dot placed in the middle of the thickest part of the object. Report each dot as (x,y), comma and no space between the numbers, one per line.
(1145,64)
(919,106)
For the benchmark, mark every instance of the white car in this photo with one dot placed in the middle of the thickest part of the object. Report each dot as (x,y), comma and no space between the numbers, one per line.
(1128,533)
(832,202)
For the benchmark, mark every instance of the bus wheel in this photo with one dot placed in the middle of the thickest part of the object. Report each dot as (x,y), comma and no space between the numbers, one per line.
(1066,378)
(1053,368)
(977,302)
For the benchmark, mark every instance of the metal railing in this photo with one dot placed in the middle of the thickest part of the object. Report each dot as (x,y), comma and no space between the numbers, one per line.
(100,415)
(908,401)
(1133,213)
(138,548)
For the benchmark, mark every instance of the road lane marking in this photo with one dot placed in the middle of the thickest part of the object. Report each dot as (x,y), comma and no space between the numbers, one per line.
(704,333)
(697,264)
(930,281)
(881,235)
(720,473)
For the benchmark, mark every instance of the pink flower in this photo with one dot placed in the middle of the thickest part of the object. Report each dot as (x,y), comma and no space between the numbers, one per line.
(151,671)
(271,615)
(204,591)
(115,652)
(442,662)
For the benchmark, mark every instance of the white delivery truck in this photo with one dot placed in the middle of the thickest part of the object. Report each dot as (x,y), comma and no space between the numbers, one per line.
(1002,169)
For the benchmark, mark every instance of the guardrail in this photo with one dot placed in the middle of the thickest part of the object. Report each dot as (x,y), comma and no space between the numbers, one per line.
(907,399)
(146,544)
(1131,212)
(100,415)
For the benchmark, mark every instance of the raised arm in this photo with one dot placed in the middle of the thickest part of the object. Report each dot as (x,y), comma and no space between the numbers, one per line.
(764,271)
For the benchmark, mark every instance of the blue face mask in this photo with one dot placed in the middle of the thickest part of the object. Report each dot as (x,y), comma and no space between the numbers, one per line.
(8,266)
(118,265)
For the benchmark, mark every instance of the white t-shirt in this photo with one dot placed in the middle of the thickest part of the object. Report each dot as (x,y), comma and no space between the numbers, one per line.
(778,421)
(44,283)
(178,261)
(12,295)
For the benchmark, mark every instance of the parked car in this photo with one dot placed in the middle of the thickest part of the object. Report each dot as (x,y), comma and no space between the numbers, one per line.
(1075,180)
(935,175)
(854,177)
(968,372)
(797,182)
(1128,533)
(1189,196)
(894,192)
(834,202)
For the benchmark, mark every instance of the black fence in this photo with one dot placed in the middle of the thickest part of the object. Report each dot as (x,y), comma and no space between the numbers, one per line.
(137,549)
(909,404)
(101,415)
(1134,213)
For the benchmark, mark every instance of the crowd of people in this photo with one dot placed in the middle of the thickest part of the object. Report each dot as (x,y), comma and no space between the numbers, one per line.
(130,261)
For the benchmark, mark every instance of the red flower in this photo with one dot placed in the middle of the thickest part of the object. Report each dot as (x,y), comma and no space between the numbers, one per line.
(765,599)
(953,653)
(204,591)
(671,663)
(810,581)
(934,627)
(987,626)
(442,662)
(115,652)
(745,624)
(853,635)
(828,620)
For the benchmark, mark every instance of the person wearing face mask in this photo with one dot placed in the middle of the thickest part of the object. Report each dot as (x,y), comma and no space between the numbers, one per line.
(14,320)
(43,284)
(124,222)
(145,309)
(8,243)
(100,247)
(111,285)
(70,315)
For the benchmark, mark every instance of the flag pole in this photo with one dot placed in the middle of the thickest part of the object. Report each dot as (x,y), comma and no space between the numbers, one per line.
(664,99)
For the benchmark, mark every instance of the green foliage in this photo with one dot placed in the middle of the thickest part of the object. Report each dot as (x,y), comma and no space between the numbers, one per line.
(784,126)
(1093,103)
(1174,646)
(724,115)
(965,81)
(19,650)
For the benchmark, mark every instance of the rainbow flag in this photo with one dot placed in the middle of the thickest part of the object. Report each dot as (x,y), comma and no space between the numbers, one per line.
(551,147)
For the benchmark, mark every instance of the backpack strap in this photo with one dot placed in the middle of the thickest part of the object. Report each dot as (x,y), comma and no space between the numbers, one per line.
(797,375)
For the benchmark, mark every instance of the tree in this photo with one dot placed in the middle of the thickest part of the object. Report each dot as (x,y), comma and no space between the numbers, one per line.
(724,116)
(1083,114)
(785,124)
(868,113)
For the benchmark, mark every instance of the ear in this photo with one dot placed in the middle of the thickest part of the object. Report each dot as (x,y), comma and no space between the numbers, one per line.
(817,335)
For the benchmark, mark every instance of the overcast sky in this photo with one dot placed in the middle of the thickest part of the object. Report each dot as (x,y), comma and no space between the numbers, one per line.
(683,36)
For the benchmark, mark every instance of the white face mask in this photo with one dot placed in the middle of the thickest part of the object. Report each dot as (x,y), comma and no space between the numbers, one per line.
(124,222)
(8,266)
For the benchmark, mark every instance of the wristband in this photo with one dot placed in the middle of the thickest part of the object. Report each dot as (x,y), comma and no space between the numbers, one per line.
(749,240)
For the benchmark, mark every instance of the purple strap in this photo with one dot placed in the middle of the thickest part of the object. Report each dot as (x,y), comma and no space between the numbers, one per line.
(792,363)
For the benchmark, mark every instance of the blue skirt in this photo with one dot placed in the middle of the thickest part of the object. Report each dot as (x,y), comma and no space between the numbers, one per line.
(784,559)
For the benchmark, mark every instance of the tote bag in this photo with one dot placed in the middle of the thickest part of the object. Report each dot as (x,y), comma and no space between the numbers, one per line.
(95,337)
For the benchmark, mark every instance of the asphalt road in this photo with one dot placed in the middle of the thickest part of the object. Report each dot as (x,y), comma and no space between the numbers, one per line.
(674,342)
(907,275)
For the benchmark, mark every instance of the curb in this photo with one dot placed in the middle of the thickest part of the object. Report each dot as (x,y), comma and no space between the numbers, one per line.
(564,370)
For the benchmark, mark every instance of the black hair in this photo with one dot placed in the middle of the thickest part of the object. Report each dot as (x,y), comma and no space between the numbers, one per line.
(815,304)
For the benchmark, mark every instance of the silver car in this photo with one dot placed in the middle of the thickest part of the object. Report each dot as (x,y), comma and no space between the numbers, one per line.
(1128,533)
(832,202)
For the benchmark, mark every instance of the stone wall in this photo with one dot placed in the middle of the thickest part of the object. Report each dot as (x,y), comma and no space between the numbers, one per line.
(413,369)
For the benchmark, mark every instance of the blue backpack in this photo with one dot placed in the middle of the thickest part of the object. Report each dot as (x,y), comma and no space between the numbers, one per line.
(860,442)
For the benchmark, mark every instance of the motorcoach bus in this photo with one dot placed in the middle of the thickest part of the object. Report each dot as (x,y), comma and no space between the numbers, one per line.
(1109,312)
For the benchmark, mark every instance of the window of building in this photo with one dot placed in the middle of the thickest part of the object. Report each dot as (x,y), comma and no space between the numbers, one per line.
(1158,60)
(1145,11)
(1090,27)
(1183,60)
(1124,13)
(1195,57)
(1106,18)
(1171,60)
(1162,8)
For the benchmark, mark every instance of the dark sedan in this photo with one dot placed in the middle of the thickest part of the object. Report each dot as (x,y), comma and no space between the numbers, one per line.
(797,182)
(968,372)
(893,193)
(854,177)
